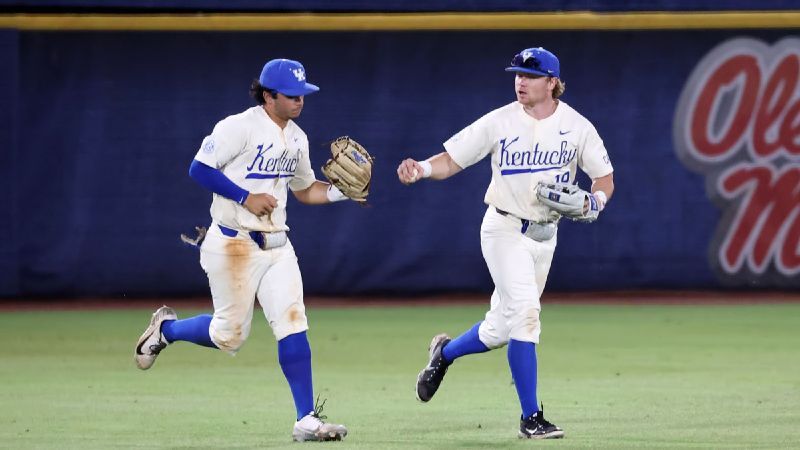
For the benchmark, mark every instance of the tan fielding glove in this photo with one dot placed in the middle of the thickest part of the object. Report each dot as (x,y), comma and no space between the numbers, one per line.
(350,168)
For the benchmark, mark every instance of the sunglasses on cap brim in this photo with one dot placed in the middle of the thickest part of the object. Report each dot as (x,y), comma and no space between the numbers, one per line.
(531,62)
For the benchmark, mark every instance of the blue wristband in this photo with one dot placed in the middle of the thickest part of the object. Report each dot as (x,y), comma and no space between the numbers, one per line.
(216,181)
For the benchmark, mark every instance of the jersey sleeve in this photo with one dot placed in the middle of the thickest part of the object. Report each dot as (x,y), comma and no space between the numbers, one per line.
(303,174)
(223,144)
(593,157)
(471,144)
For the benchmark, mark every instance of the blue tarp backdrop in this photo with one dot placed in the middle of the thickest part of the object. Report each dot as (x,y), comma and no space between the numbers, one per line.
(102,128)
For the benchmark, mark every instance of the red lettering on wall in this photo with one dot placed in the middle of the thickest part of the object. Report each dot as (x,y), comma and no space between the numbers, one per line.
(767,220)
(702,119)
(767,117)
(777,94)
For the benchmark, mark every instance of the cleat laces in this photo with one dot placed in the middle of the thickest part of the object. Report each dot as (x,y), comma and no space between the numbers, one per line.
(538,419)
(318,409)
(436,368)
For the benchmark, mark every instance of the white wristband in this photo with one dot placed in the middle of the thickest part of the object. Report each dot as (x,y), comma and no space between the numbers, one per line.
(334,194)
(601,198)
(427,168)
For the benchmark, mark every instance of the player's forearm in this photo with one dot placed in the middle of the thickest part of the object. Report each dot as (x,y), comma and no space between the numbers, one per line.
(605,184)
(443,166)
(602,188)
(319,193)
(215,181)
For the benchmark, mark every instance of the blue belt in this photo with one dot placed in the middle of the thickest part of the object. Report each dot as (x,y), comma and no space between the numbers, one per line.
(257,237)
(525,222)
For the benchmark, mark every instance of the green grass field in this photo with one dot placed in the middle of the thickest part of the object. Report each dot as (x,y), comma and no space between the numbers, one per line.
(611,376)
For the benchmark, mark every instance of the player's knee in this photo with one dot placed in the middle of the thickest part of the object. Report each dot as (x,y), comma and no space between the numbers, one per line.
(492,337)
(229,340)
(528,328)
(494,342)
(284,330)
(293,321)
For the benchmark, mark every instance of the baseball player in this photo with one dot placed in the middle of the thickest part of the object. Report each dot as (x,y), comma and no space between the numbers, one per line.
(533,142)
(250,161)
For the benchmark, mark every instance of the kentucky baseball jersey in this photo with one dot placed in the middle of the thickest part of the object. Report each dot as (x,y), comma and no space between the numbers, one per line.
(259,156)
(526,150)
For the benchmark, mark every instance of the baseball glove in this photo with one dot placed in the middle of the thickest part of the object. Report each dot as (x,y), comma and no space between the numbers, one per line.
(568,200)
(350,168)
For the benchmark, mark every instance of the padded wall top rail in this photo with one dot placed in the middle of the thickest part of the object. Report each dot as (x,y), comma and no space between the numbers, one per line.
(404,21)
(352,6)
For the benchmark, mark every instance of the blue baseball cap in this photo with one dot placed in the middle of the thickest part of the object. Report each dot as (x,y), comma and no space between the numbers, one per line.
(537,61)
(287,77)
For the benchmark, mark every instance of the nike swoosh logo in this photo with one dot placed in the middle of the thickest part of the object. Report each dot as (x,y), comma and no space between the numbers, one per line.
(139,347)
(564,132)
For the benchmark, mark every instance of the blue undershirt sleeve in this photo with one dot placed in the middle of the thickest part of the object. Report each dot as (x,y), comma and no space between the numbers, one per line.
(215,181)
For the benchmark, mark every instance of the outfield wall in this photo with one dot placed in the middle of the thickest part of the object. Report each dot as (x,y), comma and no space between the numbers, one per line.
(100,128)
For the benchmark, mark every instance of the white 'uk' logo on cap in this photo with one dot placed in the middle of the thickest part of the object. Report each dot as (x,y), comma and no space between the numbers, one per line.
(299,74)
(526,55)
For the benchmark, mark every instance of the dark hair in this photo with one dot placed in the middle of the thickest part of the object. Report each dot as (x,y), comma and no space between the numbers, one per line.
(257,92)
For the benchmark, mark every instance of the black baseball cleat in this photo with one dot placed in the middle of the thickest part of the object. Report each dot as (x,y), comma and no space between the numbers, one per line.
(536,427)
(431,376)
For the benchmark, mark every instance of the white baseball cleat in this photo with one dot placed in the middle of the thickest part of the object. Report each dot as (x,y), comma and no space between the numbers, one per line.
(312,428)
(152,341)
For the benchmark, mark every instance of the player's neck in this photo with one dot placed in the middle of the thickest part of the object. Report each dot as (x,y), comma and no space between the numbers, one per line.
(541,110)
(275,118)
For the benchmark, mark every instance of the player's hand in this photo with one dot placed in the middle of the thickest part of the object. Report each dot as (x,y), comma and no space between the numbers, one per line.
(260,204)
(409,171)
